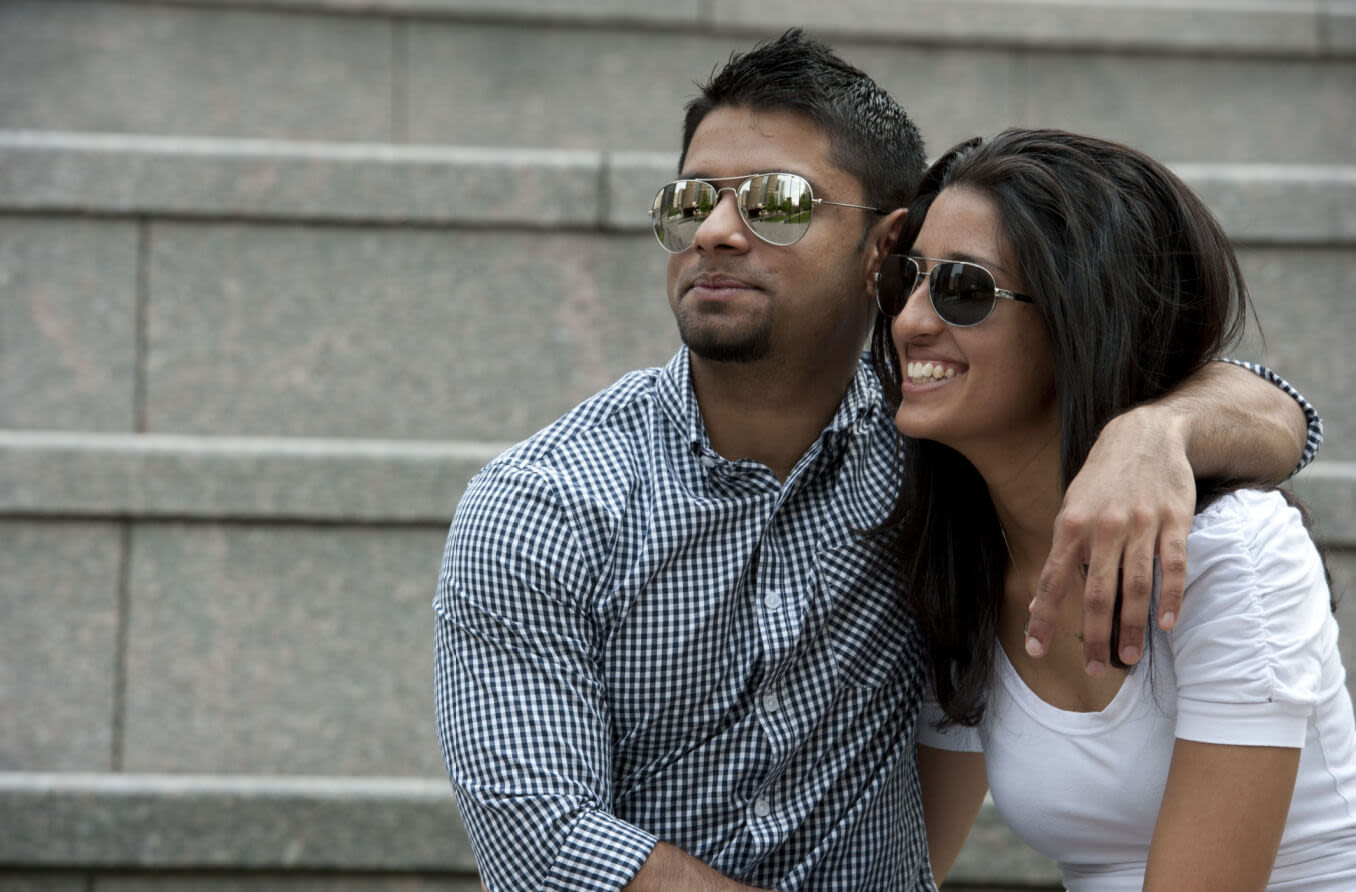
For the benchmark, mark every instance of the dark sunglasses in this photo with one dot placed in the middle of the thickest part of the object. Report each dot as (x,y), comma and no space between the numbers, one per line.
(775,206)
(962,293)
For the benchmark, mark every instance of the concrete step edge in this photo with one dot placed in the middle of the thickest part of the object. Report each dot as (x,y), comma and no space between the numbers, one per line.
(380,184)
(284,479)
(180,822)
(1254,27)
(167,822)
(235,478)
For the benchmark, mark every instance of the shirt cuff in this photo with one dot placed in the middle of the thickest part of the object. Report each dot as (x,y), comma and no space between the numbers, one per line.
(601,853)
(1315,437)
(1242,724)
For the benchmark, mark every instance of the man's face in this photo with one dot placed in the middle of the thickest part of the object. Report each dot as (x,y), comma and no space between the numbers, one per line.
(738,298)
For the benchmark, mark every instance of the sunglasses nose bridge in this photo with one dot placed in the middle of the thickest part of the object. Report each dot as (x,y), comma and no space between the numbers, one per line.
(718,224)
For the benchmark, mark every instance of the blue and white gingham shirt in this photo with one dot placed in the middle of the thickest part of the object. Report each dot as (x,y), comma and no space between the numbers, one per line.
(638,640)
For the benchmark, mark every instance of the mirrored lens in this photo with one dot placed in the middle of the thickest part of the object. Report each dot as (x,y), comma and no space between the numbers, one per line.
(776,206)
(962,293)
(679,208)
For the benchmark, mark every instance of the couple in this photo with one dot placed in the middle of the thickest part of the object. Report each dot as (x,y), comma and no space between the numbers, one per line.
(685,633)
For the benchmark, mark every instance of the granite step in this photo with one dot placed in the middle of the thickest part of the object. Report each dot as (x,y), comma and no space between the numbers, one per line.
(1203,80)
(278,288)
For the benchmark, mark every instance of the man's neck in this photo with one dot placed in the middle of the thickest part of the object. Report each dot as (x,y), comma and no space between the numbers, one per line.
(753,411)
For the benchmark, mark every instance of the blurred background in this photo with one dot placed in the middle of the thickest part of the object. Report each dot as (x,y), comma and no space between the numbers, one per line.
(277,276)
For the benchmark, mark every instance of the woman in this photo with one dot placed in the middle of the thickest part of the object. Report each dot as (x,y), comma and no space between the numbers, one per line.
(1045,282)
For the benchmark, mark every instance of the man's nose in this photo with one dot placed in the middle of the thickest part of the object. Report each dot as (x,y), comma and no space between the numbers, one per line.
(724,227)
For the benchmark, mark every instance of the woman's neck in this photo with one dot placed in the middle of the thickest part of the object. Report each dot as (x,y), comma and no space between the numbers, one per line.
(1026,488)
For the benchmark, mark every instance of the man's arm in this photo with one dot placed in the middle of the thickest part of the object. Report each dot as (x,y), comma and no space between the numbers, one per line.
(523,719)
(1135,498)
(672,868)
(522,712)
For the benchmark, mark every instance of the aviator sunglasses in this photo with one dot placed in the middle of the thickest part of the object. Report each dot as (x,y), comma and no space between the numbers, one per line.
(962,293)
(775,206)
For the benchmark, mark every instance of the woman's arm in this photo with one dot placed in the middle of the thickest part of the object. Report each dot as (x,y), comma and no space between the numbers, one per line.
(953,784)
(1223,812)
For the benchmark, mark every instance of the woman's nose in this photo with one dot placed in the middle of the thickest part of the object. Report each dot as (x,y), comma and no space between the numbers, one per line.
(917,317)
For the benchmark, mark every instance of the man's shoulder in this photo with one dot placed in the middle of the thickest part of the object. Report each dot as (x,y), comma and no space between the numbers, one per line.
(607,421)
(589,450)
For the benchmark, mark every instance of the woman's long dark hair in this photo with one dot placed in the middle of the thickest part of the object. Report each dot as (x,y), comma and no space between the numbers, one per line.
(1137,286)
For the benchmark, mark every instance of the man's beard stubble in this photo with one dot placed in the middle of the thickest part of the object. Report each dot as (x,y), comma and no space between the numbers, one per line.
(713,347)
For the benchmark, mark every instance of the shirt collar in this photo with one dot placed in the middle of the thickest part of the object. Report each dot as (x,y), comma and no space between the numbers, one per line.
(680,400)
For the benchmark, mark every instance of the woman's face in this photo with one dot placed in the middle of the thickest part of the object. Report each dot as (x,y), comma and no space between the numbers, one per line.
(988,389)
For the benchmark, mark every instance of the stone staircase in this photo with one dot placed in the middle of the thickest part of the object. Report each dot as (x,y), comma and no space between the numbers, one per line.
(277,276)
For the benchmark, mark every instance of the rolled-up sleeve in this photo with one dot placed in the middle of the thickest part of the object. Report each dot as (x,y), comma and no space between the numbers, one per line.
(523,718)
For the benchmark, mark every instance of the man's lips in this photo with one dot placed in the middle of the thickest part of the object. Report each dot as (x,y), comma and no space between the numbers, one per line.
(715,285)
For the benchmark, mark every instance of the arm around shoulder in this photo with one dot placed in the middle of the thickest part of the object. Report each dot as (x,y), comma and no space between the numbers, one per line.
(1242,422)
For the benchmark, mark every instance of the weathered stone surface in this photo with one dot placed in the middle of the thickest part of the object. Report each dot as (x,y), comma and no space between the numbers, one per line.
(1309,117)
(235,478)
(58,646)
(1284,26)
(187,822)
(158,68)
(370,333)
(41,882)
(1307,321)
(282,650)
(67,324)
(1342,566)
(322,182)
(648,78)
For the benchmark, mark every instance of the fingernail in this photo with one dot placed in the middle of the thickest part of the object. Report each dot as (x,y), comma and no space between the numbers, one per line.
(1032,606)
(1169,620)
(1095,668)
(1033,647)
(1129,654)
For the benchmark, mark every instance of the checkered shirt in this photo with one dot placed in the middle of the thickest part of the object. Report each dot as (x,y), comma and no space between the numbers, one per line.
(638,640)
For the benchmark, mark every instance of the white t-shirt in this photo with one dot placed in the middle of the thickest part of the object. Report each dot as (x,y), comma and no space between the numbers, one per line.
(1253,661)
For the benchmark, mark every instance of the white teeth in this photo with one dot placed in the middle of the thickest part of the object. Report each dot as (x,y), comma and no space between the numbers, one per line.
(926,372)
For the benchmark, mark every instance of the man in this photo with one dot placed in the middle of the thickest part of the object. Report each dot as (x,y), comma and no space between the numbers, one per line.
(666,656)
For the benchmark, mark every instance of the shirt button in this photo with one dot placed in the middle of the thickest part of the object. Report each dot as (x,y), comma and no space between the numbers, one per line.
(762,808)
(771,703)
(772,600)
(709,461)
